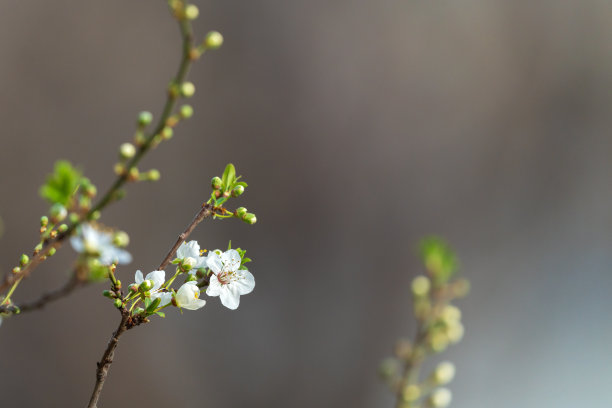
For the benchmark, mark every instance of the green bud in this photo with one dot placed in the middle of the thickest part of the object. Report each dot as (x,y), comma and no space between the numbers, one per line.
(213,40)
(444,373)
(187,89)
(167,133)
(421,286)
(238,190)
(188,264)
(186,111)
(146,285)
(97,214)
(153,175)
(250,218)
(23,261)
(38,247)
(73,217)
(16,270)
(57,212)
(91,190)
(216,183)
(51,252)
(121,239)
(127,151)
(118,303)
(241,212)
(62,228)
(134,288)
(191,12)
(411,393)
(108,294)
(440,398)
(388,369)
(44,221)
(145,118)
(138,310)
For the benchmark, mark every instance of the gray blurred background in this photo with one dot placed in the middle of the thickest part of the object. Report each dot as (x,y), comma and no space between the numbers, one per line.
(360,127)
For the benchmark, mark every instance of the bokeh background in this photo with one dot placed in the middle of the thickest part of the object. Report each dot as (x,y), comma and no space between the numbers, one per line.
(361,126)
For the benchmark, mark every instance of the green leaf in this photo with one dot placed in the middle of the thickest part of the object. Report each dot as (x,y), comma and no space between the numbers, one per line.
(241,183)
(229,246)
(439,259)
(161,314)
(61,184)
(147,302)
(229,177)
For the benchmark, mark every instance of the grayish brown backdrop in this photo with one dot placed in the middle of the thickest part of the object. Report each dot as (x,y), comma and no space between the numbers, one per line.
(360,126)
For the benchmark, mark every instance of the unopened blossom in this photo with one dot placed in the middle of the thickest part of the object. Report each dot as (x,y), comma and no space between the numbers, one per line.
(188,296)
(189,253)
(228,281)
(100,244)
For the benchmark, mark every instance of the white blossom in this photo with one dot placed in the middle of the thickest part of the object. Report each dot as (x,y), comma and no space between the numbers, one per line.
(189,253)
(158,278)
(228,281)
(187,296)
(99,243)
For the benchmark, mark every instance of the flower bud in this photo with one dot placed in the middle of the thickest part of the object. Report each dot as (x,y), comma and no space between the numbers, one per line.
(145,118)
(73,217)
(450,314)
(153,175)
(118,303)
(62,228)
(440,398)
(119,169)
(186,111)
(421,286)
(51,251)
(16,270)
(44,221)
(250,218)
(388,369)
(121,239)
(145,285)
(58,213)
(127,151)
(23,261)
(107,293)
(444,373)
(455,332)
(167,133)
(216,183)
(97,214)
(191,12)
(238,190)
(411,392)
(187,89)
(188,264)
(240,212)
(213,40)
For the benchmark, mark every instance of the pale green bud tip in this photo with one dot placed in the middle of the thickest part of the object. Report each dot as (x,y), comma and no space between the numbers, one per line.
(441,398)
(186,111)
(24,260)
(187,89)
(388,368)
(107,293)
(127,150)
(444,373)
(421,286)
(52,251)
(118,303)
(241,212)
(146,285)
(238,190)
(250,218)
(216,183)
(167,132)
(44,221)
(58,212)
(192,12)
(95,215)
(154,175)
(213,40)
(62,228)
(121,239)
(145,118)
(411,392)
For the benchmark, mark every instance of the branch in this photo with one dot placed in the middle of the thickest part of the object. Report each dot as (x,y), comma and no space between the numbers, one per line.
(206,211)
(73,283)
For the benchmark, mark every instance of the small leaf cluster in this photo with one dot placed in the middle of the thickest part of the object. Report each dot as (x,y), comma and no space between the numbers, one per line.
(229,185)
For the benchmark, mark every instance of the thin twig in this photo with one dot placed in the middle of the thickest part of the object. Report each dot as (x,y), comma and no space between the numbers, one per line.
(206,211)
(73,283)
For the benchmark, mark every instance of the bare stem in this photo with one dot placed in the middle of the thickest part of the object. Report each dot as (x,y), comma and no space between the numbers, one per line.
(206,211)
(107,359)
(73,283)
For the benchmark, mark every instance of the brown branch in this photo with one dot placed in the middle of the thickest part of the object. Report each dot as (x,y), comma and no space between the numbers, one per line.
(73,283)
(206,211)
(107,359)
(10,277)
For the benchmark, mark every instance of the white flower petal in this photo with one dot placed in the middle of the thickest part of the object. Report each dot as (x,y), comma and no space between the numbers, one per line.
(77,243)
(166,297)
(245,282)
(214,287)
(158,278)
(230,297)
(188,249)
(195,304)
(214,263)
(231,260)
(138,277)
